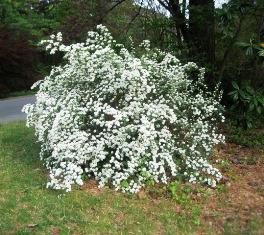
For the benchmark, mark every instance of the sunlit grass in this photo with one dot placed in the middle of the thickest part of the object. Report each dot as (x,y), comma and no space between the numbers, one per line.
(17,94)
(27,207)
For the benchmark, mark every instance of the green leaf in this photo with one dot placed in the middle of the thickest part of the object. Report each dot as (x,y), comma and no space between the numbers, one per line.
(243,95)
(250,90)
(243,44)
(232,93)
(251,107)
(261,53)
(124,184)
(255,101)
(235,85)
(259,110)
(249,51)
(261,100)
(249,124)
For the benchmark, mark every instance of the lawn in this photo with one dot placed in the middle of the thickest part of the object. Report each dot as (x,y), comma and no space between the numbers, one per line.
(27,207)
(17,94)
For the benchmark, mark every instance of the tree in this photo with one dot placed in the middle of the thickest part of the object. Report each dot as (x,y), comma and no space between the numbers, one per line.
(194,30)
(201,27)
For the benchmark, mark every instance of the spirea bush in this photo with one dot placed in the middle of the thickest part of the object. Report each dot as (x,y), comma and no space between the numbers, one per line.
(124,119)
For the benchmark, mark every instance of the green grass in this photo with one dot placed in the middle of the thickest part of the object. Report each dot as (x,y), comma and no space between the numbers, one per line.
(17,94)
(253,227)
(24,200)
(28,207)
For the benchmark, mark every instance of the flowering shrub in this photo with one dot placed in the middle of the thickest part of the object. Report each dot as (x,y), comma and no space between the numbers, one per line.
(123,119)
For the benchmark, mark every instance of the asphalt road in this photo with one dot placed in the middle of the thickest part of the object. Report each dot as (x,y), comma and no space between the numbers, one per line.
(10,109)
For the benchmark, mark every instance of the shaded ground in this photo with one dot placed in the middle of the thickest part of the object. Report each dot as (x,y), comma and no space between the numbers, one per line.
(27,207)
(239,203)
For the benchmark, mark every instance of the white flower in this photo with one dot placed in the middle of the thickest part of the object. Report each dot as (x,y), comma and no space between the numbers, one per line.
(122,119)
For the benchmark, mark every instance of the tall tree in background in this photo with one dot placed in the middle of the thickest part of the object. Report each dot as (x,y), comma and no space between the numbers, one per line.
(179,18)
(201,27)
(195,30)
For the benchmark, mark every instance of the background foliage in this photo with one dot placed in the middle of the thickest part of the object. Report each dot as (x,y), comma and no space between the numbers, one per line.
(227,41)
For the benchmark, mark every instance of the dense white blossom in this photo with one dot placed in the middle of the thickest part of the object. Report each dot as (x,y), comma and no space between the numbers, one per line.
(123,119)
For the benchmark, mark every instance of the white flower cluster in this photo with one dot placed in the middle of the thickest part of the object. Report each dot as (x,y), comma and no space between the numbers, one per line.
(122,119)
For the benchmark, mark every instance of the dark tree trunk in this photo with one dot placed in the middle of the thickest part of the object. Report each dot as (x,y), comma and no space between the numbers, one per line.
(202,31)
(179,19)
(197,32)
(201,26)
(261,29)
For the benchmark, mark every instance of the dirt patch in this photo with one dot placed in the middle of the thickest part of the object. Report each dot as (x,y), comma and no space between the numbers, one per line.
(242,195)
(91,187)
(238,200)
